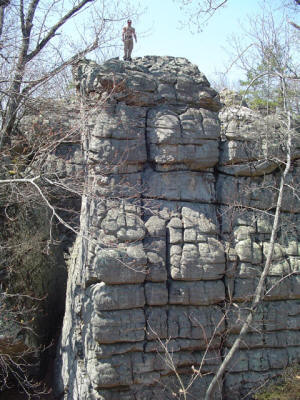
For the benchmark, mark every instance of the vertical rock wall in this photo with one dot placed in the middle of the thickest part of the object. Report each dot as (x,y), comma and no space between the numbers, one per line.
(165,247)
(252,150)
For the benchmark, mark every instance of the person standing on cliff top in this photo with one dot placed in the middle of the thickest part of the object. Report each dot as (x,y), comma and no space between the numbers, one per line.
(127,36)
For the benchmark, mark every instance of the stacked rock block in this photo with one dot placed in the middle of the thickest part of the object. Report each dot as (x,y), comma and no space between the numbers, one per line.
(163,253)
(248,173)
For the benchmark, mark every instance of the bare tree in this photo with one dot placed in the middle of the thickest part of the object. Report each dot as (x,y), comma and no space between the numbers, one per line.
(294,7)
(200,12)
(34,49)
(260,291)
(278,72)
(267,54)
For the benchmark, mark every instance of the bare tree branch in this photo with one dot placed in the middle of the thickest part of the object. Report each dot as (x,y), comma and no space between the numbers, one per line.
(259,292)
(54,29)
(294,25)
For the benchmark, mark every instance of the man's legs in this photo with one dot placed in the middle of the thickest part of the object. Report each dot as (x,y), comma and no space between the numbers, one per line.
(125,49)
(130,47)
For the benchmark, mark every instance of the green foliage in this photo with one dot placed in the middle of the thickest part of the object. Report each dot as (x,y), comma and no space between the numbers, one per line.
(263,87)
(267,85)
(288,388)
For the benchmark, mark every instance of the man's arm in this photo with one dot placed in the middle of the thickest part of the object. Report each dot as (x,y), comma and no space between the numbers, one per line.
(123,34)
(134,35)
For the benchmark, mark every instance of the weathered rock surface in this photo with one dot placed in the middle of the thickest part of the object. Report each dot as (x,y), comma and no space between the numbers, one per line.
(170,238)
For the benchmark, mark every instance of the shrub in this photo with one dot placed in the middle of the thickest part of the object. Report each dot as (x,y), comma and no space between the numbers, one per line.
(287,388)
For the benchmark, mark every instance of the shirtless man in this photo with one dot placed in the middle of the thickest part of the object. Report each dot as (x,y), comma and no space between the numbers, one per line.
(127,36)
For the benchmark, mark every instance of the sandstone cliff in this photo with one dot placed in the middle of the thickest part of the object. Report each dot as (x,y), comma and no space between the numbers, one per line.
(175,224)
(179,195)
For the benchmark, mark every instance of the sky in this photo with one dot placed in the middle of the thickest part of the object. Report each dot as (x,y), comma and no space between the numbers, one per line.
(159,33)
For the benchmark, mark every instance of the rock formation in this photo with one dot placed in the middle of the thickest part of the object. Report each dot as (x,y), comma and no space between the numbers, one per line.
(175,223)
